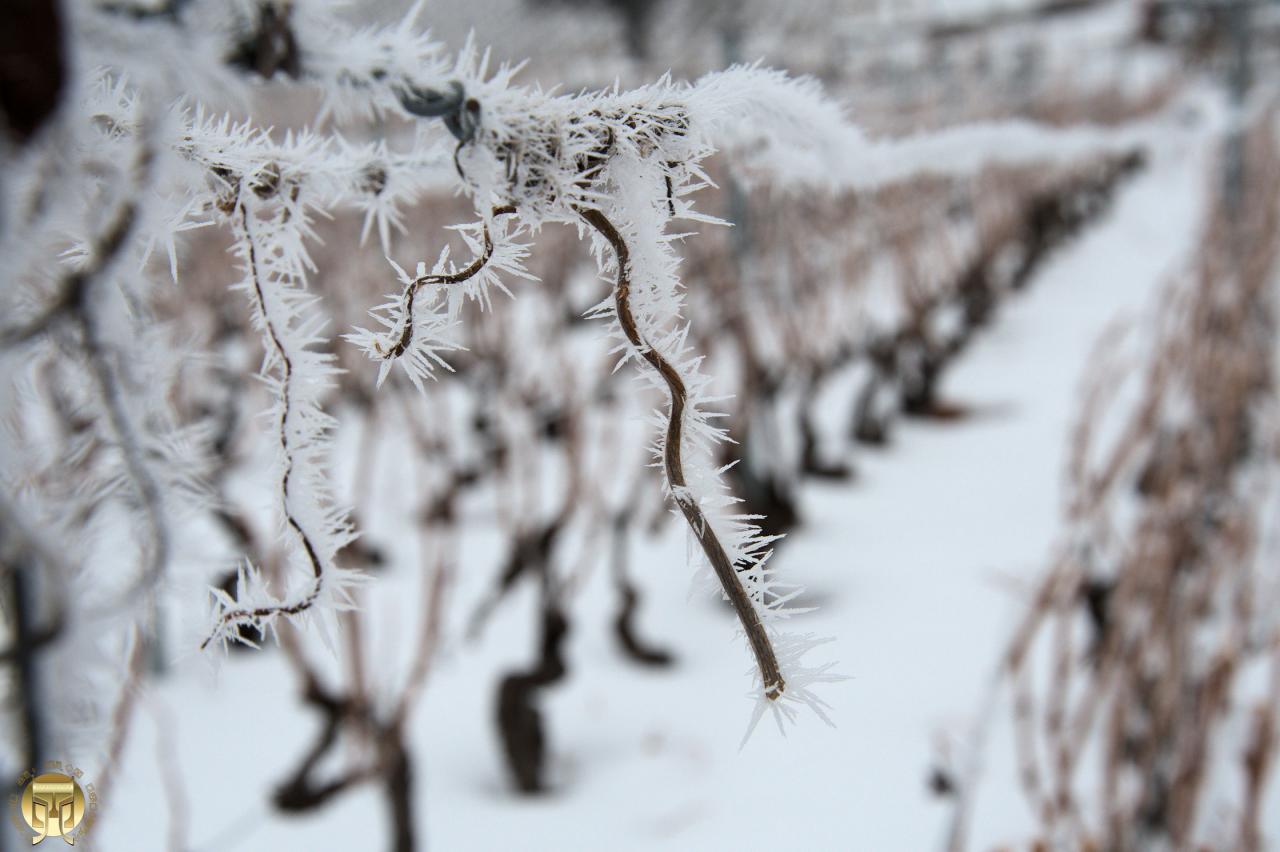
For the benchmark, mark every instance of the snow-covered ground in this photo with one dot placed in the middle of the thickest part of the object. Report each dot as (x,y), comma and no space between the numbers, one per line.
(920,567)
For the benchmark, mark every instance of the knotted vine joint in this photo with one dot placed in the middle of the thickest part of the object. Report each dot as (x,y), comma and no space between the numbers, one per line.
(460,113)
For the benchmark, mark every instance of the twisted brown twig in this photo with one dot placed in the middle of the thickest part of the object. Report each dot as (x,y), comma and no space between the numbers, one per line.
(757,637)
(257,614)
(411,289)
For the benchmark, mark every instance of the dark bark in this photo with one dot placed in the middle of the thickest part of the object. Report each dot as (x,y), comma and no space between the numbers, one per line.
(870,422)
(32,64)
(530,556)
(519,718)
(629,600)
(398,788)
(762,492)
(301,792)
(28,639)
(269,46)
(812,462)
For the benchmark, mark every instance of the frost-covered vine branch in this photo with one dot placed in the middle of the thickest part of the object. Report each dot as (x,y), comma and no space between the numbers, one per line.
(673,466)
(297,374)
